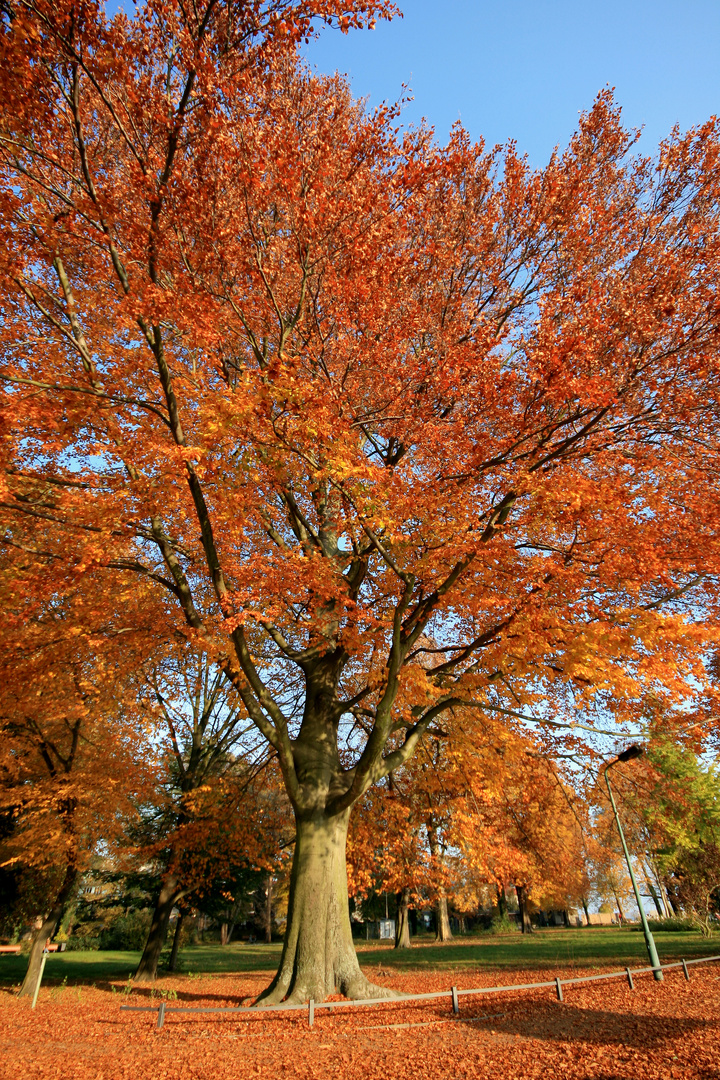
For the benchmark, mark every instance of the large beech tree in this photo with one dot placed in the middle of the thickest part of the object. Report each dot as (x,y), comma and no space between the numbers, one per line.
(338,392)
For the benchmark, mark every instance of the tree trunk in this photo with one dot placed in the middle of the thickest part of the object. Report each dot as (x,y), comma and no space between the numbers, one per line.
(223,933)
(654,894)
(147,968)
(442,919)
(525,924)
(501,901)
(176,941)
(402,926)
(318,956)
(46,931)
(621,913)
(672,897)
(585,909)
(268,911)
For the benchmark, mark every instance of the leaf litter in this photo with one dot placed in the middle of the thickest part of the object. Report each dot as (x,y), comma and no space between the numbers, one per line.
(602,1031)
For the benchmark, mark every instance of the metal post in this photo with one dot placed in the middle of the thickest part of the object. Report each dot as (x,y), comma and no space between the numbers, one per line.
(685,969)
(161,1015)
(39,979)
(455,1002)
(649,940)
(558,987)
(631,984)
(311,1012)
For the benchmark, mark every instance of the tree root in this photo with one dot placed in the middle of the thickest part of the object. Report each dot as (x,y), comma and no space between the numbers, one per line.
(359,989)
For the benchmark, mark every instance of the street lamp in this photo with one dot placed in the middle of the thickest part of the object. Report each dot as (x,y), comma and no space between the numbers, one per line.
(628,755)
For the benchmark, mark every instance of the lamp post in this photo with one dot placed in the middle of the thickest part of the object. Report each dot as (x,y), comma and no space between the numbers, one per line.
(628,755)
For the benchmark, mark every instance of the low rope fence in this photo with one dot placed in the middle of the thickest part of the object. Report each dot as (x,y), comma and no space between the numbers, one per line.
(163,1010)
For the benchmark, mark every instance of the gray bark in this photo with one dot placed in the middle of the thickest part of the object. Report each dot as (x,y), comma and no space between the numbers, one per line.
(318,956)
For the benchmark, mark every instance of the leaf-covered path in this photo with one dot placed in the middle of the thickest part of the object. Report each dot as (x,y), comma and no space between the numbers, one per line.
(602,1031)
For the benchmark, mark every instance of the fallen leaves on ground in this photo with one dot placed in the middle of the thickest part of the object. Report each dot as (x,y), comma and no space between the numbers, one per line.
(601,1031)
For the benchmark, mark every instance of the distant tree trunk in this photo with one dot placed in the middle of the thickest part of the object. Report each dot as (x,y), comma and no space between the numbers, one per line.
(621,913)
(501,901)
(566,918)
(46,931)
(231,931)
(224,933)
(268,910)
(654,894)
(665,898)
(413,920)
(402,926)
(176,941)
(585,909)
(442,919)
(671,897)
(525,924)
(169,892)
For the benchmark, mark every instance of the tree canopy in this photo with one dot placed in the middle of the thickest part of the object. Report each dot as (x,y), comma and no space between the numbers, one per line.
(384,427)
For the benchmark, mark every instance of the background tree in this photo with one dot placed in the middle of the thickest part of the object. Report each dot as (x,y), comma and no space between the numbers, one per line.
(71,746)
(673,803)
(217,814)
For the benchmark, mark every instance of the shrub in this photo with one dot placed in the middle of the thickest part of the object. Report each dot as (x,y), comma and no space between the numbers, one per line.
(83,941)
(501,924)
(675,925)
(126,931)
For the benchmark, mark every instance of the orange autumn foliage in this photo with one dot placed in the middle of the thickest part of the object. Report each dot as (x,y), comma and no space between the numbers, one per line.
(328,388)
(501,814)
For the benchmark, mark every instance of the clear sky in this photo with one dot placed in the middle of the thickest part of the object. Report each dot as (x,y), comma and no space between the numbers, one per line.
(524,69)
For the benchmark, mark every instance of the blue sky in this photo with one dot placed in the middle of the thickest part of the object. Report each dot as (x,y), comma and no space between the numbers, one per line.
(524,70)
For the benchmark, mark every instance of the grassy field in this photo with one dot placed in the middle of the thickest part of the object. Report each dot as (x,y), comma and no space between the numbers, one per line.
(544,949)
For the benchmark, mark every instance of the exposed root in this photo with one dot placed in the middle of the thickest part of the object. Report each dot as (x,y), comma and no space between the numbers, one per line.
(359,989)
(364,990)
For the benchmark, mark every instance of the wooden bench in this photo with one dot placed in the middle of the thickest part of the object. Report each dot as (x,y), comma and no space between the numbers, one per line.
(54,946)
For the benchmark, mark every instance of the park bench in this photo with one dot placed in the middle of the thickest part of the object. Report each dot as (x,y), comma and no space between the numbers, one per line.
(54,946)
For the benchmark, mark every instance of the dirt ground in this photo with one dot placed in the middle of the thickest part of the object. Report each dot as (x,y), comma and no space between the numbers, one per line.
(601,1031)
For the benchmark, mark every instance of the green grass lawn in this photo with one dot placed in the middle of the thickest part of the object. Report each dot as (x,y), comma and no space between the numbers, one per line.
(544,949)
